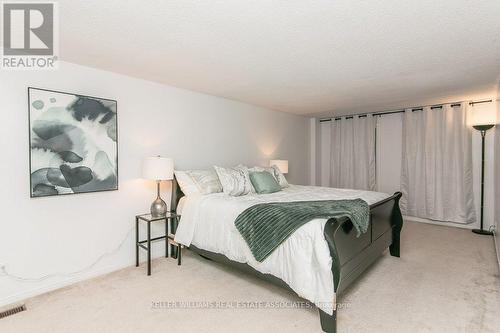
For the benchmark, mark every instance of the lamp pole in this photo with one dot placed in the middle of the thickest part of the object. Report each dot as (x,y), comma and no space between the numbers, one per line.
(482,129)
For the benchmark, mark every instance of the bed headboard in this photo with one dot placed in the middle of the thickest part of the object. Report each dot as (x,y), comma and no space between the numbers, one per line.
(177,194)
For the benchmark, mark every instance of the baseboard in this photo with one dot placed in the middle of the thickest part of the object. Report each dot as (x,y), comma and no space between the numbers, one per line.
(497,246)
(441,223)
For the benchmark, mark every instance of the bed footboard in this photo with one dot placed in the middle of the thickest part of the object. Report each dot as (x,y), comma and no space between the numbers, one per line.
(397,223)
(328,322)
(351,255)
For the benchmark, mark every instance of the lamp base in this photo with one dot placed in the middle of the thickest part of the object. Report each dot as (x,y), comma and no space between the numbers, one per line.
(158,208)
(482,232)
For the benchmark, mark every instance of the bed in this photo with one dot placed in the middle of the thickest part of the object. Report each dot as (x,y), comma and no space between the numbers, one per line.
(317,262)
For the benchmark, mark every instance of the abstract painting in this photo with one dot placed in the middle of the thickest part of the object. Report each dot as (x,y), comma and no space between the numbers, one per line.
(73,143)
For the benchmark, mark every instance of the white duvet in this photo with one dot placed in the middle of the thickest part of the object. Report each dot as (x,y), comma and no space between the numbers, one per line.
(302,261)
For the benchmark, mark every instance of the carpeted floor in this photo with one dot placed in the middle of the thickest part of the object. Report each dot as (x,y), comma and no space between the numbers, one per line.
(446,281)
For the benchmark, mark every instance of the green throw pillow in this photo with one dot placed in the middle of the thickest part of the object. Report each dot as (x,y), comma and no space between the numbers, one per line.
(264,182)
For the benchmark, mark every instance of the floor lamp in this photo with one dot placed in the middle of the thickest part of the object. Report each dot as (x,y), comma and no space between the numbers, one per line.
(482,129)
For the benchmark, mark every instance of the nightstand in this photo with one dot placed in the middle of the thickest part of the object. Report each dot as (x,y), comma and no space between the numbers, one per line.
(168,237)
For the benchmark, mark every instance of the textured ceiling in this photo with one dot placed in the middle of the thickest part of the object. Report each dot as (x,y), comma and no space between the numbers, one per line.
(304,57)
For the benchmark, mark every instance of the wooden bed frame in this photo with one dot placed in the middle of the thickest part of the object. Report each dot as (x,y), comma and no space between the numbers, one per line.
(351,255)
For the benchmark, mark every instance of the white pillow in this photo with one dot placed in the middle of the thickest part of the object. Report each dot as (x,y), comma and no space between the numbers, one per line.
(198,181)
(280,177)
(259,169)
(186,183)
(235,181)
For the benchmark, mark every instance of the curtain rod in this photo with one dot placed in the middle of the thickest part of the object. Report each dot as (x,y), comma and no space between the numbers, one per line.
(417,108)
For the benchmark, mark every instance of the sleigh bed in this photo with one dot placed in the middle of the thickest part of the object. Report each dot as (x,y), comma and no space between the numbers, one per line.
(351,254)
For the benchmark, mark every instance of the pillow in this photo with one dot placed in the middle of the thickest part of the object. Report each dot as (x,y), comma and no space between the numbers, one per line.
(198,181)
(186,183)
(259,168)
(207,181)
(280,177)
(264,182)
(246,171)
(275,171)
(235,181)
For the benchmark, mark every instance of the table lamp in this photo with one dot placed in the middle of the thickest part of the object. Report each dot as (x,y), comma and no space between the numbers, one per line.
(158,168)
(281,164)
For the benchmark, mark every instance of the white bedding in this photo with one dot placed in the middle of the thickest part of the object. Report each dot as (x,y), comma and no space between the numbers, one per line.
(180,205)
(303,260)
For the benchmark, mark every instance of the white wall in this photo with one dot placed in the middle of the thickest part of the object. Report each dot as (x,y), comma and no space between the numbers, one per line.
(64,234)
(389,145)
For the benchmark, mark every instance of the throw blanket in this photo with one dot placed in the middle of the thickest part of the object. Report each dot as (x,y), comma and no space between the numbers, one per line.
(265,226)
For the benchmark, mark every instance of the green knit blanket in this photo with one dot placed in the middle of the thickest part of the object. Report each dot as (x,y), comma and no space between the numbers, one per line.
(265,226)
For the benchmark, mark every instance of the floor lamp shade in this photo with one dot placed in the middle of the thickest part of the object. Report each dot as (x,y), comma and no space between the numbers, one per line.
(482,115)
(158,168)
(281,164)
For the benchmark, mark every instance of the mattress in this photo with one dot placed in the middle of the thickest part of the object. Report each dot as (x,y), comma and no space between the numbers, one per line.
(302,261)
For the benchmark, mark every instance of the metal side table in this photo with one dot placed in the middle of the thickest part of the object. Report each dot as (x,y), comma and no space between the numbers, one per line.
(146,244)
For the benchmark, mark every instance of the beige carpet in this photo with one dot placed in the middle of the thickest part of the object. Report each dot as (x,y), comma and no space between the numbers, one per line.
(446,281)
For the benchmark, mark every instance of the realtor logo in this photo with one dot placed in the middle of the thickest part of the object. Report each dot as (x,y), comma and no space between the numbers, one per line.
(29,35)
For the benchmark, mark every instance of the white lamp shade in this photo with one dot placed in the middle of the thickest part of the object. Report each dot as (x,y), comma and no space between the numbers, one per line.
(158,168)
(281,164)
(483,114)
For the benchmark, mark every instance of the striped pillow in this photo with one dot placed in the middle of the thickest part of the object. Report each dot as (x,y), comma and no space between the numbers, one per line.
(198,181)
(280,177)
(235,181)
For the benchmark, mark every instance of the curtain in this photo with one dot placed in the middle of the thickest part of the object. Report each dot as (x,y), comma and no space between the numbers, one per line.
(436,171)
(353,153)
